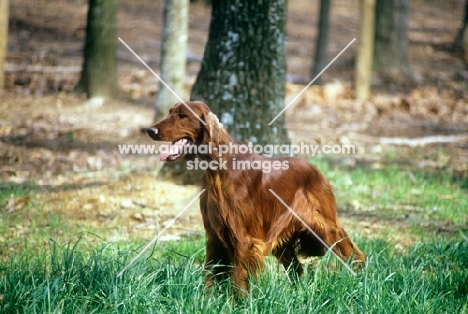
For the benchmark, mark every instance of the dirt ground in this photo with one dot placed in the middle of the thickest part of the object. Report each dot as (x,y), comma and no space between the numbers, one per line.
(66,148)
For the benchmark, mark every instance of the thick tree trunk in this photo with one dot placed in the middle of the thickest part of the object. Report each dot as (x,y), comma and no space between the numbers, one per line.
(3,39)
(99,74)
(391,39)
(366,48)
(173,55)
(243,72)
(320,59)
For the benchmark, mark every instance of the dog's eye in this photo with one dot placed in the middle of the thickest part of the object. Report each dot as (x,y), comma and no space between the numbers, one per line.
(181,115)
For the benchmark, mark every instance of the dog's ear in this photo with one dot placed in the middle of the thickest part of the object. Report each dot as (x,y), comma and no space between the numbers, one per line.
(214,133)
(213,126)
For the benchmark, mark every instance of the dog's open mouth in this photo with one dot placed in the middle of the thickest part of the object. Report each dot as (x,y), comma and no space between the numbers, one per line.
(176,150)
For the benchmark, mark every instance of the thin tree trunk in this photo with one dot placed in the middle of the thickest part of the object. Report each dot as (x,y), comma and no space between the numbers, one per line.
(366,48)
(461,33)
(173,55)
(320,60)
(99,73)
(3,39)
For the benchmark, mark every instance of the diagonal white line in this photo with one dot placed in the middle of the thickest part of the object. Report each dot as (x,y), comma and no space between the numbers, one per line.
(161,80)
(159,234)
(311,82)
(312,231)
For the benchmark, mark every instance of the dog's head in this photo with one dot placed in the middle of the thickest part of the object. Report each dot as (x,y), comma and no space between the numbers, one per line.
(190,123)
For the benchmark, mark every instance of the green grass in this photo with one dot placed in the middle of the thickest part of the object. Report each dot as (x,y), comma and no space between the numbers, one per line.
(29,226)
(392,193)
(429,278)
(55,268)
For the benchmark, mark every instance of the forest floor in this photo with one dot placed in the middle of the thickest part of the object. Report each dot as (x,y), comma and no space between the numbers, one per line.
(64,149)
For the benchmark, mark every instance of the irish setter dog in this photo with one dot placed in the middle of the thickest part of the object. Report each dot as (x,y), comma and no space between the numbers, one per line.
(243,220)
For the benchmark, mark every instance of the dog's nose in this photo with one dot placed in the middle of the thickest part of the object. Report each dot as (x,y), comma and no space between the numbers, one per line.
(152,131)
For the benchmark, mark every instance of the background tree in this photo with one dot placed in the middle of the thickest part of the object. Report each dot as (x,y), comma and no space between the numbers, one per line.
(320,57)
(391,40)
(363,70)
(243,72)
(3,39)
(99,73)
(173,54)
(460,41)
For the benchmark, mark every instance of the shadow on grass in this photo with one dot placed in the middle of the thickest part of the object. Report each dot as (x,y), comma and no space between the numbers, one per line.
(401,195)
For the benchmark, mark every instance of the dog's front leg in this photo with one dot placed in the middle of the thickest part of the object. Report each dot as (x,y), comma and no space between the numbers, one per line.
(248,260)
(240,279)
(218,263)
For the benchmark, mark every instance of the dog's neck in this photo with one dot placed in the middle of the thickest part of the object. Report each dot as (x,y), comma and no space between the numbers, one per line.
(228,161)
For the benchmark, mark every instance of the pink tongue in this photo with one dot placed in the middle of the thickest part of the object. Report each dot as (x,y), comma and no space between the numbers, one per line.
(174,149)
(163,156)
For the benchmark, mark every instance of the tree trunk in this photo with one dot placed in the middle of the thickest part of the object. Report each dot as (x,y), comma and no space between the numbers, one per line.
(173,55)
(320,60)
(3,39)
(391,40)
(460,42)
(242,77)
(366,47)
(99,73)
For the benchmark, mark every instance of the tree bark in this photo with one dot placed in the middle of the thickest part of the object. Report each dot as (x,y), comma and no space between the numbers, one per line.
(460,41)
(242,77)
(366,47)
(173,55)
(99,73)
(391,39)
(3,39)
(320,59)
